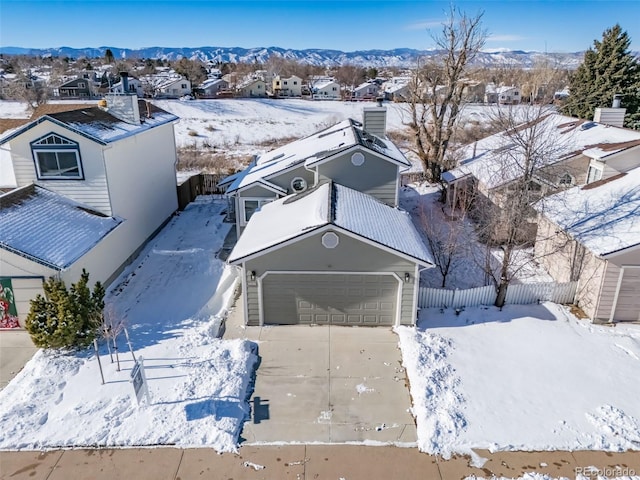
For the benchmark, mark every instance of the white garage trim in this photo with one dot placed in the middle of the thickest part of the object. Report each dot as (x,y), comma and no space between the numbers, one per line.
(307,272)
(618,286)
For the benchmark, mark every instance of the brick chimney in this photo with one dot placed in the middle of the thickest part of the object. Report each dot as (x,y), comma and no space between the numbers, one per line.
(613,116)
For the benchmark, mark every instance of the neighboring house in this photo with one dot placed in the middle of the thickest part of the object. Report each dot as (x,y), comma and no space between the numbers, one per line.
(504,95)
(321,240)
(251,88)
(287,86)
(325,89)
(165,85)
(212,88)
(365,91)
(91,186)
(572,152)
(591,234)
(397,89)
(76,88)
(490,93)
(474,91)
(134,85)
(583,151)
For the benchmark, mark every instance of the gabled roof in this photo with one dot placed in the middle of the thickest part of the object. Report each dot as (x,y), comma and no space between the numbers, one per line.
(312,150)
(496,160)
(49,228)
(99,125)
(604,216)
(331,205)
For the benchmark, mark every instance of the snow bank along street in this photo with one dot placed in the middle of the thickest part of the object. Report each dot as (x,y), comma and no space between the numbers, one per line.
(172,299)
(529,377)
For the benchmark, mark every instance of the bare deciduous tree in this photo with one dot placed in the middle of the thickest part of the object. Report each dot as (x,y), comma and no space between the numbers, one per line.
(437,89)
(525,167)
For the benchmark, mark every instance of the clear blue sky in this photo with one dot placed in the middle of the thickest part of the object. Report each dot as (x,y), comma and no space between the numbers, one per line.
(557,26)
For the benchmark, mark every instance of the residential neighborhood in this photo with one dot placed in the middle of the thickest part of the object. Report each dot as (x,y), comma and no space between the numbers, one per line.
(237,263)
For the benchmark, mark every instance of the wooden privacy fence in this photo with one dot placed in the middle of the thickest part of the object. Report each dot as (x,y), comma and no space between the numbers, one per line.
(200,184)
(520,294)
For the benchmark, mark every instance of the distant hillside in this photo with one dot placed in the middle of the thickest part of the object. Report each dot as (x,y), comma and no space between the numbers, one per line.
(399,57)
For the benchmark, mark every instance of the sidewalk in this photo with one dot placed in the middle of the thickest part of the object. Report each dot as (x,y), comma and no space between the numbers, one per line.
(16,349)
(303,462)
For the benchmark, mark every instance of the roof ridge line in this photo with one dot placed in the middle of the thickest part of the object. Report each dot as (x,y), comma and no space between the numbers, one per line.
(331,213)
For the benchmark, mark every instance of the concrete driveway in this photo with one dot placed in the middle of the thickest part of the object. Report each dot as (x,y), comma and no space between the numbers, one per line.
(16,349)
(326,384)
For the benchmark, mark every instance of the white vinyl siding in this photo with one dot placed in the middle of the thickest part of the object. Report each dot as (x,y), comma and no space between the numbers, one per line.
(90,190)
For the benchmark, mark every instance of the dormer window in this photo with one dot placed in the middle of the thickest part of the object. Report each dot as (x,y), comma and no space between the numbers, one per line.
(57,158)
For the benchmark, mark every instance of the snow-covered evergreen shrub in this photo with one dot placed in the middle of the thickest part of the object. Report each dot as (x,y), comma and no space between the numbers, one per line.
(66,318)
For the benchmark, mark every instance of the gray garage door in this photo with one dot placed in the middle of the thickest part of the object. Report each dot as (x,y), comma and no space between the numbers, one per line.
(330,299)
(628,305)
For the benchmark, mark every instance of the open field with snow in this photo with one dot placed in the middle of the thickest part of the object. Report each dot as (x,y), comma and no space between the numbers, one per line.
(525,378)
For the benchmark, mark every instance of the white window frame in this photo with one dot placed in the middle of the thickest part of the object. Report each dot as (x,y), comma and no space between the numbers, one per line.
(60,144)
(261,201)
(597,169)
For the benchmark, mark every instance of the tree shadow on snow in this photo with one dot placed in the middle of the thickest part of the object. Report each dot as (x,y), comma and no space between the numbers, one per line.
(431,318)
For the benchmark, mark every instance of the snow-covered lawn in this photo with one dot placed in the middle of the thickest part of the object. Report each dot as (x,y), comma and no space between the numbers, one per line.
(172,298)
(525,378)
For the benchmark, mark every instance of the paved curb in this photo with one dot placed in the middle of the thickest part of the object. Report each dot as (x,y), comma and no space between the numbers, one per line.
(303,462)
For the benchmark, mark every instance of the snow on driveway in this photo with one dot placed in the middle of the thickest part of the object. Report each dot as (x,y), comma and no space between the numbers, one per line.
(172,297)
(525,378)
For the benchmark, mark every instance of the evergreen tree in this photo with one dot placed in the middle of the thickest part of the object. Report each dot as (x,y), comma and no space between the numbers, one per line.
(609,68)
(66,318)
(108,56)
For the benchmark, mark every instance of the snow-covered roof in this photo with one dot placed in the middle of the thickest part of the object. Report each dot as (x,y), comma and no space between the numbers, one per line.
(496,160)
(49,228)
(506,88)
(210,82)
(604,216)
(100,125)
(313,149)
(331,204)
(323,83)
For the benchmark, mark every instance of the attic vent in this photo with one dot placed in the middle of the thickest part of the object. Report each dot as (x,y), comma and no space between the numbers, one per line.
(53,139)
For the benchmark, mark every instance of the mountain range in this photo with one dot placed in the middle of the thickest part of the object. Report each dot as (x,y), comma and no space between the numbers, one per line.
(399,57)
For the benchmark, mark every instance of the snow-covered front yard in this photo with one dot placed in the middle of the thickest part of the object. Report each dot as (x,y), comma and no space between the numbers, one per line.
(529,377)
(172,297)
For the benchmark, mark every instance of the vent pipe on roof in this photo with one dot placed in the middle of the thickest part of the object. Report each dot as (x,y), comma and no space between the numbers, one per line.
(617,98)
(124,76)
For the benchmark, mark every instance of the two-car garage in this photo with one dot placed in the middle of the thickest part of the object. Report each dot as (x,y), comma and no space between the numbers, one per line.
(330,298)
